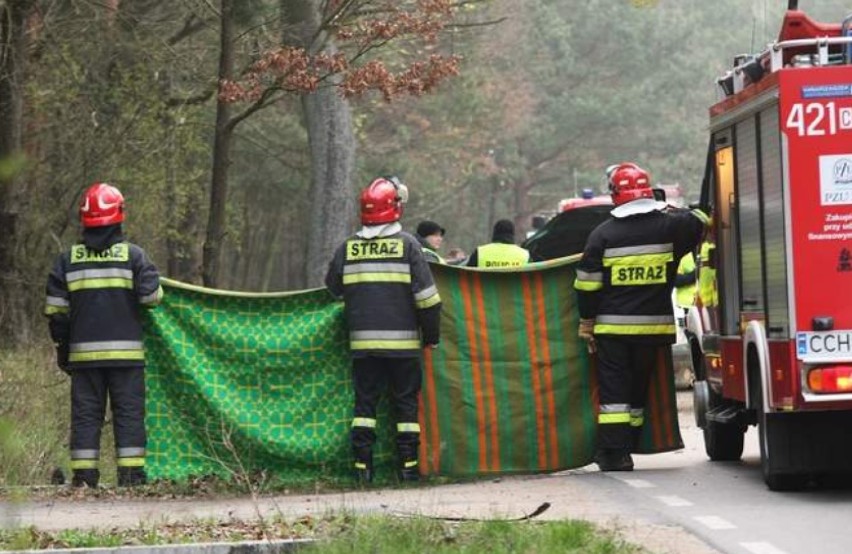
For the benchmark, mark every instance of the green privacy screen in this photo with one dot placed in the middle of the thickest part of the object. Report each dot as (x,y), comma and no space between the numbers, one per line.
(242,383)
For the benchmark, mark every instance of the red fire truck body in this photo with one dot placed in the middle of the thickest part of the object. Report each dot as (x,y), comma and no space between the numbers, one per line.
(776,351)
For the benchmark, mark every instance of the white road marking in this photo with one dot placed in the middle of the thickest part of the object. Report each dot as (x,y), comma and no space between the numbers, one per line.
(674,501)
(714,522)
(761,548)
(637,483)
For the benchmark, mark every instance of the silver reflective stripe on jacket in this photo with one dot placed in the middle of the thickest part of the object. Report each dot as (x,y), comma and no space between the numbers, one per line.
(384,340)
(638,250)
(635,319)
(106,345)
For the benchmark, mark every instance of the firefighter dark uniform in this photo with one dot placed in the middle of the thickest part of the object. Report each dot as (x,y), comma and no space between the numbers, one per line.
(501,251)
(94,295)
(392,308)
(624,288)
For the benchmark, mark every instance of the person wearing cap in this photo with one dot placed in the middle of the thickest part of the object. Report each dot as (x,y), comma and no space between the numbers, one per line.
(501,251)
(431,236)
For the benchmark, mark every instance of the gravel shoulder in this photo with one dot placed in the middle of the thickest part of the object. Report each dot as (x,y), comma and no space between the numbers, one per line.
(583,494)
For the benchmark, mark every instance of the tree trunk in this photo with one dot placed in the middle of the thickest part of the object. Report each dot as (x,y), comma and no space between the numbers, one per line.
(13,56)
(328,119)
(332,143)
(523,212)
(221,153)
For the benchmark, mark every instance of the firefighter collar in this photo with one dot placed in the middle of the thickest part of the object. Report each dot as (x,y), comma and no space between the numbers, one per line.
(384,230)
(636,207)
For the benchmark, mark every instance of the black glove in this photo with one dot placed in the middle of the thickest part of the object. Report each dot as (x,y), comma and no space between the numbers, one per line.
(62,356)
(60,332)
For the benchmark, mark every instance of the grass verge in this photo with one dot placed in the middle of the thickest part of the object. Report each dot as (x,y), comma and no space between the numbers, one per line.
(347,533)
(34,412)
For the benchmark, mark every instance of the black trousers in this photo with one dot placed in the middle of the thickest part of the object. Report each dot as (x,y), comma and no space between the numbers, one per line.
(125,388)
(624,375)
(370,377)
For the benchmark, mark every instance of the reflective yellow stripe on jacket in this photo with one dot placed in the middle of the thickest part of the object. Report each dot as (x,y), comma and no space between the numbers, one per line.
(106,351)
(635,324)
(384,340)
(380,272)
(111,277)
(589,282)
(427,297)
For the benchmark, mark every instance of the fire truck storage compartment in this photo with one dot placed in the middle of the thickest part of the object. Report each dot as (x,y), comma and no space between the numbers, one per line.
(753,232)
(774,234)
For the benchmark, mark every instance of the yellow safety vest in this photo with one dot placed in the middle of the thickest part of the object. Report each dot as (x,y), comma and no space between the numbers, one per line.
(686,294)
(498,254)
(707,292)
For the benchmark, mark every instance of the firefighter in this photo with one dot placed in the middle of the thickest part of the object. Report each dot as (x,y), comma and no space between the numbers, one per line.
(624,288)
(94,295)
(430,235)
(502,250)
(392,311)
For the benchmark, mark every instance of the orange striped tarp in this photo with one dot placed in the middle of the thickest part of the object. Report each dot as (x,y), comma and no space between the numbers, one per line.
(511,388)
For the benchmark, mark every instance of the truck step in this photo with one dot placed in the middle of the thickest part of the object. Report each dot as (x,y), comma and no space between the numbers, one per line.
(727,415)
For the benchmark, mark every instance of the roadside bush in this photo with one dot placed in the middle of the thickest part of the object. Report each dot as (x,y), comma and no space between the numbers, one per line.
(34,411)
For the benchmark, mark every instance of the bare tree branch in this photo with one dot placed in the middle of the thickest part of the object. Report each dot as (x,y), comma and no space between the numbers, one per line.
(191,25)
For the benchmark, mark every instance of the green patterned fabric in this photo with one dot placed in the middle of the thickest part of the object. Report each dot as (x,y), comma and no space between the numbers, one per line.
(243,383)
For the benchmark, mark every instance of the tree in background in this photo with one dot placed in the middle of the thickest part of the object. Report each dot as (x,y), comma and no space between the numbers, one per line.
(14,17)
(334,50)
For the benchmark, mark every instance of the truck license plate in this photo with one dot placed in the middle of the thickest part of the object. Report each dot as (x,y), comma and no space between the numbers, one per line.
(828,345)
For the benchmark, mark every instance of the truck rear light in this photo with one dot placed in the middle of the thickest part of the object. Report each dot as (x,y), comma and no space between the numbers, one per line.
(830,379)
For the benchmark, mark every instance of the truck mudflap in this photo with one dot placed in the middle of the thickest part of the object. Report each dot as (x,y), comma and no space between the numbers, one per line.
(797,446)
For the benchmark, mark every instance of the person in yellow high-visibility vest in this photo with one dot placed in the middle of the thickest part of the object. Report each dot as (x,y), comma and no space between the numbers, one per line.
(707,292)
(502,251)
(685,283)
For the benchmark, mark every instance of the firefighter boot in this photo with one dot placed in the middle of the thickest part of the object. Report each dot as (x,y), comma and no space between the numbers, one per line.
(57,477)
(363,466)
(131,476)
(614,460)
(408,469)
(86,478)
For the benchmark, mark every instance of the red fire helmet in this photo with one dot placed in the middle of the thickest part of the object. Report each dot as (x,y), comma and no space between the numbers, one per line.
(629,182)
(101,205)
(382,200)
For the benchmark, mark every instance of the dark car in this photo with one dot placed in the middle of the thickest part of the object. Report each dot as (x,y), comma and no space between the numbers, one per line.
(566,232)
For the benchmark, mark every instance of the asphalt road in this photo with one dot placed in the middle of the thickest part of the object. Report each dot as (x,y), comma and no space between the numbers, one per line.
(727,504)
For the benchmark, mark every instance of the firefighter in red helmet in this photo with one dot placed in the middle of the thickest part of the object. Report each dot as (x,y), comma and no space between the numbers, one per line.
(94,295)
(624,289)
(392,308)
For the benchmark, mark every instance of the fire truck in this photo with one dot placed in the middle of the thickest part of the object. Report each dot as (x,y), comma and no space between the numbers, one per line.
(775,350)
